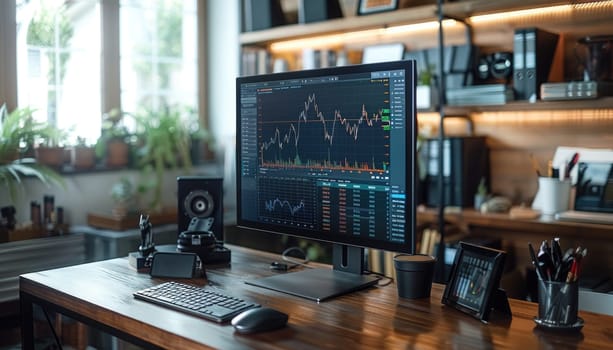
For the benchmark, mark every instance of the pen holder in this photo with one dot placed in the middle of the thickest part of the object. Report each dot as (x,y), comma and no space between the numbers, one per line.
(553,195)
(558,303)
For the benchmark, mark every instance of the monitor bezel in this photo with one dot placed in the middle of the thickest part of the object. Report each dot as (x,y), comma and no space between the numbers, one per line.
(409,67)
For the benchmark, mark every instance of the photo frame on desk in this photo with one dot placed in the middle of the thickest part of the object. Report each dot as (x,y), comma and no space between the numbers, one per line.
(473,282)
(366,7)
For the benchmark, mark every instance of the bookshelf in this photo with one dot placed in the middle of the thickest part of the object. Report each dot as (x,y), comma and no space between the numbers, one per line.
(516,129)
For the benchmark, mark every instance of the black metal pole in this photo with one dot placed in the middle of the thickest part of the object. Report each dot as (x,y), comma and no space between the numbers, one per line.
(439,274)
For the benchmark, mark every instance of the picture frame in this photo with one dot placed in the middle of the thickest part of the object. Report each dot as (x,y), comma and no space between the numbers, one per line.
(473,285)
(366,7)
(383,53)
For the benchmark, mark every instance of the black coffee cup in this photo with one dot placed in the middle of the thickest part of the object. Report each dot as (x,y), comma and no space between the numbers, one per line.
(414,275)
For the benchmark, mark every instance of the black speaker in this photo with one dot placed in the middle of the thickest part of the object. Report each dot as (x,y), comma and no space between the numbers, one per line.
(200,197)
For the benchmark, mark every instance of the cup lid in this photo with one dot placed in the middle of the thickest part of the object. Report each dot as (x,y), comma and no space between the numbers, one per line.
(413,261)
(413,258)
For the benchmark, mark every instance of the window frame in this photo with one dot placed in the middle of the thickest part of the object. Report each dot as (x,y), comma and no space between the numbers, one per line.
(110,88)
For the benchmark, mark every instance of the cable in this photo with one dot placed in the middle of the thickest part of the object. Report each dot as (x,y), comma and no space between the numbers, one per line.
(57,339)
(280,266)
(290,259)
(388,279)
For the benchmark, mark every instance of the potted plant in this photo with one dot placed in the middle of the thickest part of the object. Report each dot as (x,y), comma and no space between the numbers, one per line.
(163,143)
(123,196)
(83,156)
(113,146)
(481,195)
(18,133)
(201,140)
(425,93)
(50,151)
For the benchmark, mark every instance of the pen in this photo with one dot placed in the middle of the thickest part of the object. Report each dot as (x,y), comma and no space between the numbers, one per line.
(572,273)
(535,165)
(556,251)
(545,258)
(535,262)
(571,164)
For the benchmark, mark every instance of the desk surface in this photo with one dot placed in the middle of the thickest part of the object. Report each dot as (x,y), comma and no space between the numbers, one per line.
(372,318)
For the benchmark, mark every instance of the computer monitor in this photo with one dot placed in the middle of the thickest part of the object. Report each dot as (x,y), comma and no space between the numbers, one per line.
(329,154)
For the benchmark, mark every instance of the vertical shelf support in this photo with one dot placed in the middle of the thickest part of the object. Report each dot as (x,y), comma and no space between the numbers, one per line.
(439,273)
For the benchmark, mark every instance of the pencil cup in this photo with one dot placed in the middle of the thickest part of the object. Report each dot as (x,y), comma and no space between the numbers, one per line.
(414,275)
(554,195)
(558,303)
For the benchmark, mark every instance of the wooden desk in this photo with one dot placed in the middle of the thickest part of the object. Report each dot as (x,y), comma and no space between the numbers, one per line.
(100,294)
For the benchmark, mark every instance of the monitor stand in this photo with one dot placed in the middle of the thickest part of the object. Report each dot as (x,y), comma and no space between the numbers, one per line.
(319,284)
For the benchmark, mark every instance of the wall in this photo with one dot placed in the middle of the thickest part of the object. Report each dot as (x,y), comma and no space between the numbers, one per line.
(222,68)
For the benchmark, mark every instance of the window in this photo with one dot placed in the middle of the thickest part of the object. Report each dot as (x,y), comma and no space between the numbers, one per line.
(58,63)
(59,59)
(158,54)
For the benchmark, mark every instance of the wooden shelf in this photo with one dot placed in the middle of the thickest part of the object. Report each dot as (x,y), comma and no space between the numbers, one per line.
(415,14)
(595,104)
(381,20)
(504,222)
(599,103)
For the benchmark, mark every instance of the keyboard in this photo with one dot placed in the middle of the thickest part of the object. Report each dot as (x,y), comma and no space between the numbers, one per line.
(198,301)
(586,216)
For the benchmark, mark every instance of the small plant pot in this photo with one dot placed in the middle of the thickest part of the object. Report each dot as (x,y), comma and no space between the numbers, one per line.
(52,157)
(118,154)
(83,157)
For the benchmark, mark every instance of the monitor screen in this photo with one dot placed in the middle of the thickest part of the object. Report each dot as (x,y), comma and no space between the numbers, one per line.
(328,154)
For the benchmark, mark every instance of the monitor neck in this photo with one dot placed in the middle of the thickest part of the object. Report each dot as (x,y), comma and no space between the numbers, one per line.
(348,258)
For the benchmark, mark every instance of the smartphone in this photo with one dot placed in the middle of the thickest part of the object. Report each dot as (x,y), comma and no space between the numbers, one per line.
(174,265)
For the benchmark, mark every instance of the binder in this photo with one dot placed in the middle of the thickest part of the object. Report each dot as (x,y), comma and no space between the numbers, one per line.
(318,10)
(262,14)
(519,43)
(533,55)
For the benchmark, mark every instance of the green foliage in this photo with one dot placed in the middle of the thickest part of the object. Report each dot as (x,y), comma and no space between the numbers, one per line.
(18,132)
(113,128)
(425,76)
(164,143)
(482,188)
(123,191)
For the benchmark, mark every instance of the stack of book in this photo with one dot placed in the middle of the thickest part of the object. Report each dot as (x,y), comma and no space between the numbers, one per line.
(478,95)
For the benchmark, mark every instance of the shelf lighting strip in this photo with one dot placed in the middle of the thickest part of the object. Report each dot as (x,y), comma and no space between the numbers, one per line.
(536,15)
(343,39)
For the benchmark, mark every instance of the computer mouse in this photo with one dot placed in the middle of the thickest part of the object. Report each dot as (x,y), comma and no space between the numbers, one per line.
(259,319)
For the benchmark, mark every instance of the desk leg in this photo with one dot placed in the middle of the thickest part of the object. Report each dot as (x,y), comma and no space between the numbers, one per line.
(27,321)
